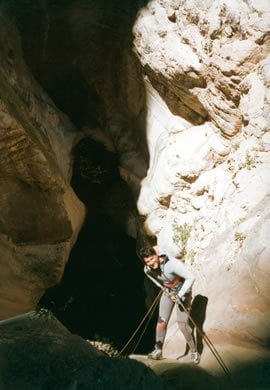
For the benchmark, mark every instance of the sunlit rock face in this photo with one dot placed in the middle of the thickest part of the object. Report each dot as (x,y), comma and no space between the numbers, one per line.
(40,214)
(206,194)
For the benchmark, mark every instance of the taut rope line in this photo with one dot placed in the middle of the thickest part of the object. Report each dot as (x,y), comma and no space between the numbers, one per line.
(152,307)
(202,334)
(146,325)
(207,341)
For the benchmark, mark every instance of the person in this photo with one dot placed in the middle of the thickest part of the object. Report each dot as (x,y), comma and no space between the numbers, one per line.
(176,280)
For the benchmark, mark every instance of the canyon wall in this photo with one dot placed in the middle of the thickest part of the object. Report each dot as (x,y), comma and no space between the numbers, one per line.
(180,88)
(206,195)
(40,214)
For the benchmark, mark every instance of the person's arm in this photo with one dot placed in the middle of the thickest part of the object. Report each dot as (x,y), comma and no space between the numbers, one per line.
(180,269)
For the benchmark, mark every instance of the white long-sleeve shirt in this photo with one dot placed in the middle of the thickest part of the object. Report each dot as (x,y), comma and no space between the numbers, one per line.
(168,271)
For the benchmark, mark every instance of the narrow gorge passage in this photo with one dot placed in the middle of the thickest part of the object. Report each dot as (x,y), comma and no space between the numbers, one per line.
(80,58)
(125,123)
(101,295)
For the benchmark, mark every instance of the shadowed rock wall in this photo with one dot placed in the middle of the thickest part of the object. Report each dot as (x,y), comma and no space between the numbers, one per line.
(40,214)
(36,352)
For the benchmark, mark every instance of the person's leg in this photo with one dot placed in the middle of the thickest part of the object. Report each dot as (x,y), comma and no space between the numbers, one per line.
(165,309)
(183,324)
(187,332)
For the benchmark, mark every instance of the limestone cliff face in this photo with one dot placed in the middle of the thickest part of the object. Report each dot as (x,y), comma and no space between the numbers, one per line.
(206,193)
(40,214)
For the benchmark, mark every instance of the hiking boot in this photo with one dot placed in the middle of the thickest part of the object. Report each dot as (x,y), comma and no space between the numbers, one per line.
(195,357)
(156,354)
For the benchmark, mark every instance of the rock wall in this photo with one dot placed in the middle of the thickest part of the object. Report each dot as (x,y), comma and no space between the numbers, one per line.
(82,57)
(40,214)
(195,92)
(206,195)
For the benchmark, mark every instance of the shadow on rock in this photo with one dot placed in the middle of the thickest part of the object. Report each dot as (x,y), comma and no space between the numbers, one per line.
(246,376)
(186,377)
(250,376)
(198,313)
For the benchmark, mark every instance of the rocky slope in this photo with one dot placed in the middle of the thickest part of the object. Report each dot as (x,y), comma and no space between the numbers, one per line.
(37,352)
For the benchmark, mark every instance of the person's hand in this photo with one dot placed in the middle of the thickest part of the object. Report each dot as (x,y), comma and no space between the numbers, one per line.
(174,297)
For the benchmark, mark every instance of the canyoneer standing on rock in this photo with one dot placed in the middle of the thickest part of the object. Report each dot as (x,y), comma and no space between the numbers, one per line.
(176,280)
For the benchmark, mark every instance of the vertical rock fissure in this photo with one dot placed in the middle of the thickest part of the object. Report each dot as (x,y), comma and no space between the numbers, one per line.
(101,295)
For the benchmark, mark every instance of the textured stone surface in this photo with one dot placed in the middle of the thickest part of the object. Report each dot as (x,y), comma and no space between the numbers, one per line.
(198,62)
(83,57)
(40,214)
(206,194)
(195,92)
(37,352)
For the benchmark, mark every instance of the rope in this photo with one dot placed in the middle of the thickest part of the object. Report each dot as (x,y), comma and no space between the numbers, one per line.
(146,325)
(207,341)
(152,308)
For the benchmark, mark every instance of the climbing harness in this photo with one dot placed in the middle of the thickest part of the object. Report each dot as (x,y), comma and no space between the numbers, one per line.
(175,283)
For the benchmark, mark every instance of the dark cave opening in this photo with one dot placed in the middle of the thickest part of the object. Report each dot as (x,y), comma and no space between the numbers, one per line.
(102,293)
(79,57)
(79,53)
(79,101)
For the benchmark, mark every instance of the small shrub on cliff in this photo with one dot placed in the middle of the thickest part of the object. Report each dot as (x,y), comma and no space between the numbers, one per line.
(181,235)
